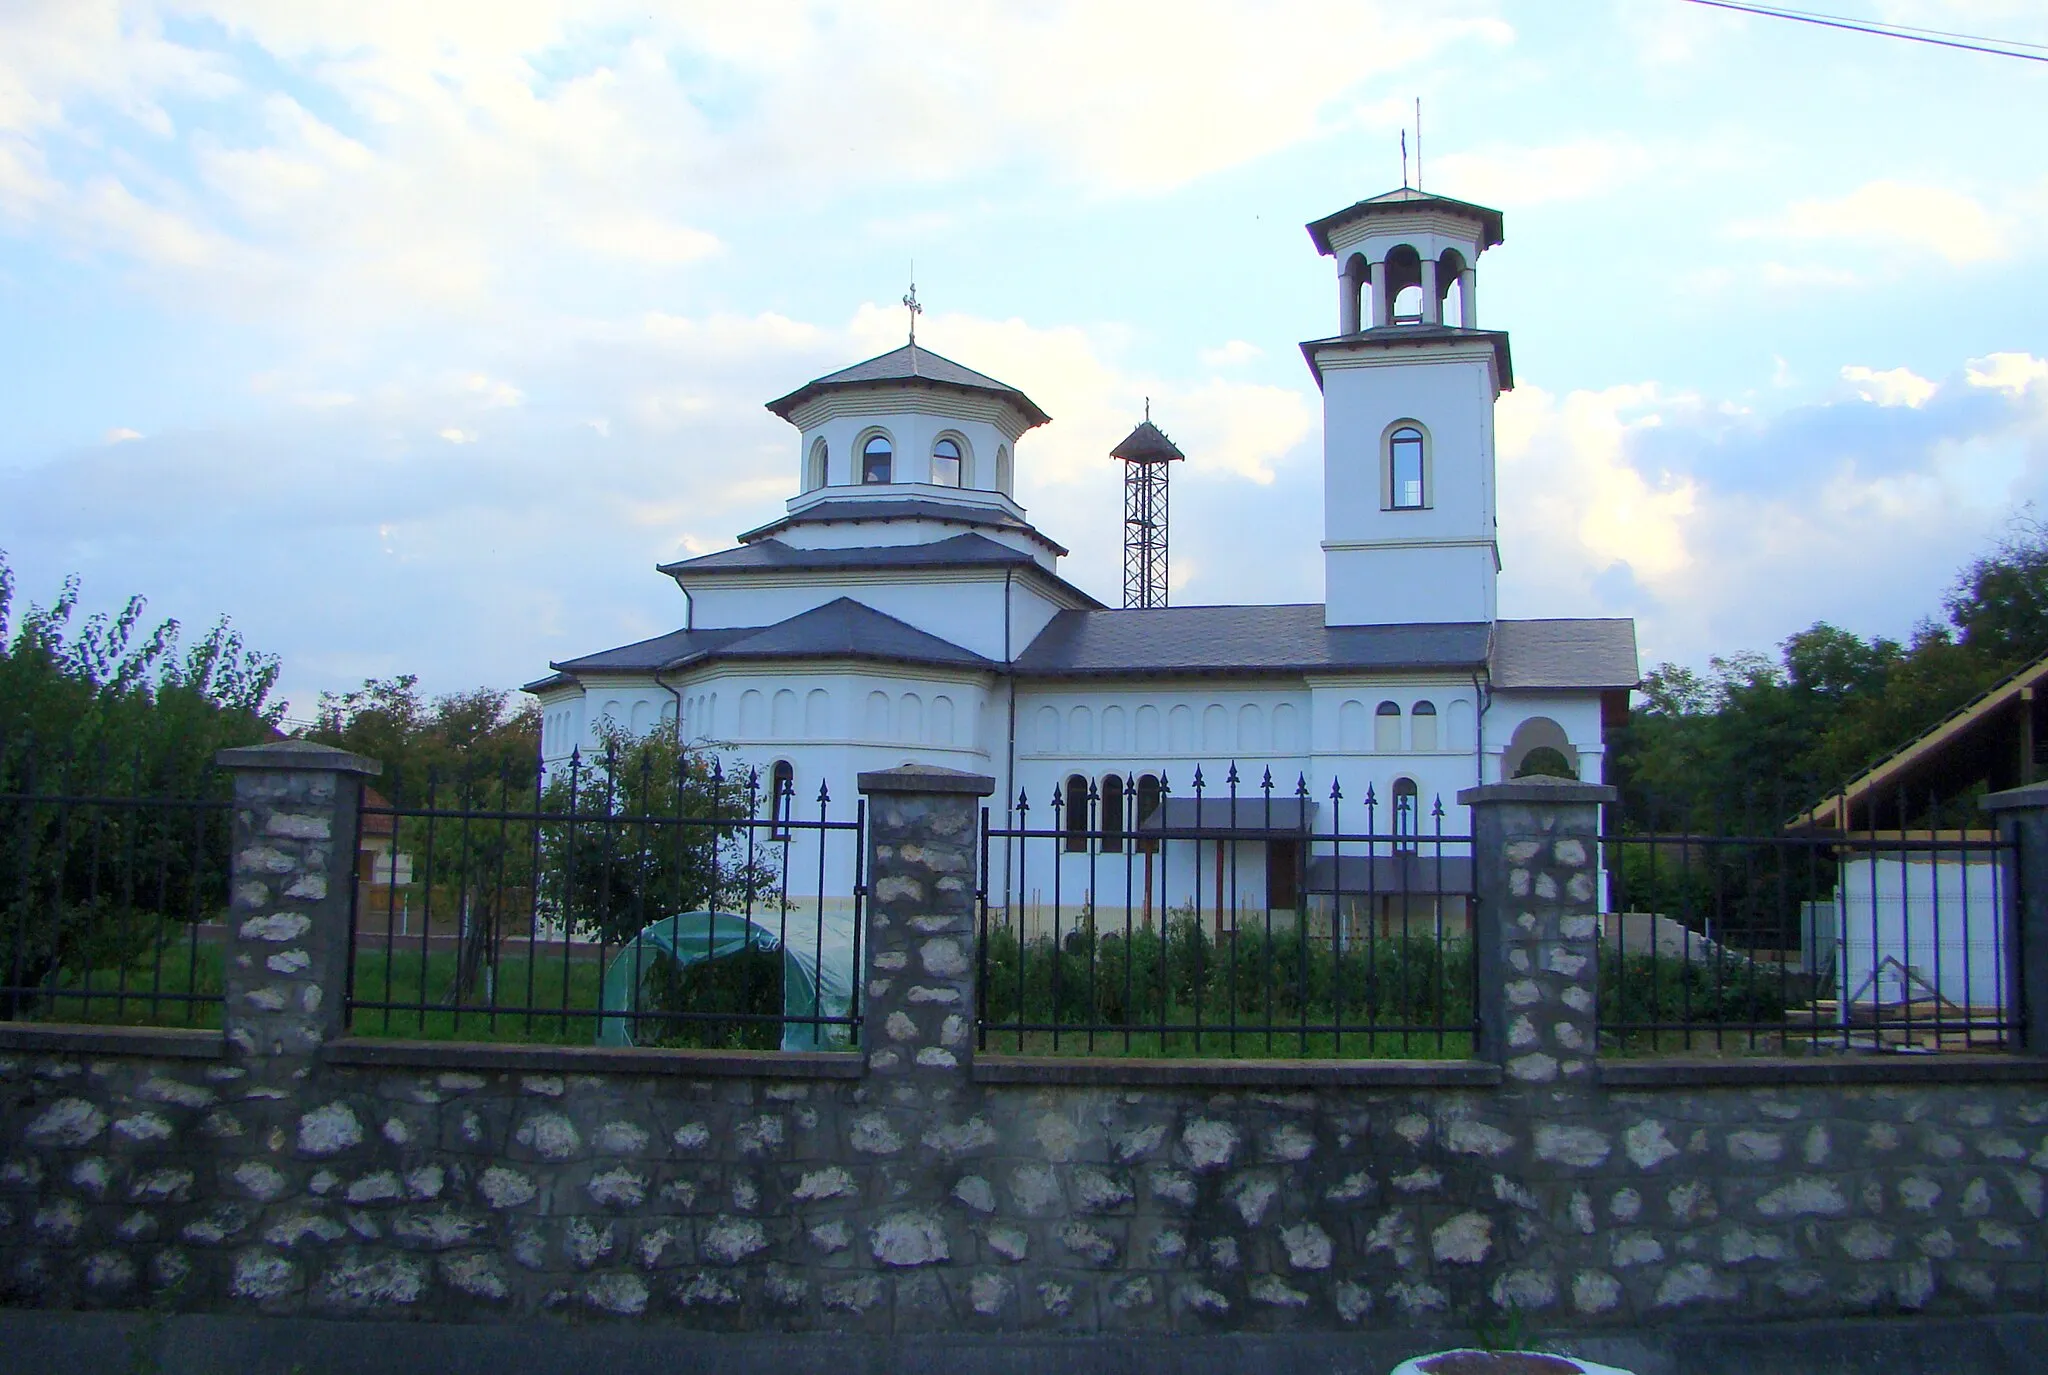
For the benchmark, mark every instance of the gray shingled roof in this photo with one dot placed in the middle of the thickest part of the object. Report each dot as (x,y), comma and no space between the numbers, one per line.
(1293,639)
(841,629)
(1564,654)
(1239,639)
(1248,640)
(913,365)
(960,551)
(855,510)
(1147,441)
(1407,198)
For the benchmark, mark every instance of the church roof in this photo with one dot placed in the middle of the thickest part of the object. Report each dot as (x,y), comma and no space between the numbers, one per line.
(915,365)
(1406,198)
(1293,639)
(1246,640)
(841,629)
(855,510)
(967,550)
(1148,441)
(1238,639)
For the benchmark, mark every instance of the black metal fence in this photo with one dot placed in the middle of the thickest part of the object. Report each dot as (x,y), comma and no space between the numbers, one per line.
(1803,939)
(642,898)
(113,891)
(1237,921)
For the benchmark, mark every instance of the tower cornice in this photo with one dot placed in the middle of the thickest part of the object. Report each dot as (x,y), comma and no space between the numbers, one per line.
(1408,344)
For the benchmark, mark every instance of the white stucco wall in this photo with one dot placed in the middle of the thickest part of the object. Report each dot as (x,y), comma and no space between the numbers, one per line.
(966,609)
(1395,567)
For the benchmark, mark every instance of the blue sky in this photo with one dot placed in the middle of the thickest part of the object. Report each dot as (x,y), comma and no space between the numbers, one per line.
(412,336)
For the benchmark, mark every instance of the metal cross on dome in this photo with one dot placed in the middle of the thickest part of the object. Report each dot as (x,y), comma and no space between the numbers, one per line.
(910,304)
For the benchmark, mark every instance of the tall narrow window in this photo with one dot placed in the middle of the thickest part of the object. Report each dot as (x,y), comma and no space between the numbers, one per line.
(1407,809)
(877,460)
(1112,814)
(1404,470)
(814,471)
(1005,475)
(1422,726)
(1386,728)
(1075,822)
(1149,798)
(781,798)
(946,464)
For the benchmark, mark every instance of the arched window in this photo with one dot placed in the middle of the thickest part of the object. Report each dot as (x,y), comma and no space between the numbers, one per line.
(1386,728)
(1150,795)
(1005,475)
(1112,814)
(1407,814)
(946,463)
(1422,726)
(814,470)
(1405,485)
(781,798)
(877,460)
(1075,821)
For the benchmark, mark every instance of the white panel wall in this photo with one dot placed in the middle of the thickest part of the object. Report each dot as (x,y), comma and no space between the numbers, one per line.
(1451,396)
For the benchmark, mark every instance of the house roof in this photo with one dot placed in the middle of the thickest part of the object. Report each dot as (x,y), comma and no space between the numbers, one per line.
(853,511)
(1185,640)
(1407,198)
(1293,639)
(840,629)
(913,365)
(1983,741)
(1147,443)
(1532,655)
(960,551)
(1383,337)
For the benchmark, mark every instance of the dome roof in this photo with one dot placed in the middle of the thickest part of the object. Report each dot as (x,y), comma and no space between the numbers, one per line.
(911,365)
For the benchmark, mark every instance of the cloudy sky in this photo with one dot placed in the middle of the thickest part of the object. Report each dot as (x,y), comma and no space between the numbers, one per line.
(412,335)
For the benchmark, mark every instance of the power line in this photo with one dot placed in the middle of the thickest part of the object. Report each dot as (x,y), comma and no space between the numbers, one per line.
(1939,38)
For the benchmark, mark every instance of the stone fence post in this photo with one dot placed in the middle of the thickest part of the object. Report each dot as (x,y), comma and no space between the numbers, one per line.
(1536,927)
(923,842)
(291,884)
(2022,816)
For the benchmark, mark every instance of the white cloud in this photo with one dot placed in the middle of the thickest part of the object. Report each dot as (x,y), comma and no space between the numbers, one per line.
(1233,354)
(1509,177)
(1893,387)
(646,239)
(458,436)
(1892,215)
(121,434)
(2012,373)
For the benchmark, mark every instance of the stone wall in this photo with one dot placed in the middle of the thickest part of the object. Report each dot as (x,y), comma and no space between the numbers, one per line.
(911,1188)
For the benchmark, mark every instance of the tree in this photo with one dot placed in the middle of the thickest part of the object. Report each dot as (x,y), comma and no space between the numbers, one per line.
(109,711)
(650,827)
(475,755)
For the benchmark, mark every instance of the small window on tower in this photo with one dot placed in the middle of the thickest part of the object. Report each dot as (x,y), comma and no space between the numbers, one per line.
(814,472)
(946,464)
(1405,470)
(877,460)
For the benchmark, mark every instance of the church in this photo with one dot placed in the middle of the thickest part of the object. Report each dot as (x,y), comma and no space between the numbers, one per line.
(905,608)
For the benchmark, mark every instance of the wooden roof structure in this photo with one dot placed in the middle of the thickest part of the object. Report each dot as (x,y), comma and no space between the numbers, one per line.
(1993,742)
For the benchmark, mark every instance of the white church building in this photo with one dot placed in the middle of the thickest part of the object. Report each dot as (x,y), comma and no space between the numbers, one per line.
(904,607)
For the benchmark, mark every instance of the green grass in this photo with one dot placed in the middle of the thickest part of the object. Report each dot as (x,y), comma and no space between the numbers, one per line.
(406,977)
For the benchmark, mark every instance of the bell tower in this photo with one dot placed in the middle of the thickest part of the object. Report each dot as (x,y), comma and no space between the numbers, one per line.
(1408,382)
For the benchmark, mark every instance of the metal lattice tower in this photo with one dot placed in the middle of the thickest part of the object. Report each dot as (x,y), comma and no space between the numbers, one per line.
(1145,454)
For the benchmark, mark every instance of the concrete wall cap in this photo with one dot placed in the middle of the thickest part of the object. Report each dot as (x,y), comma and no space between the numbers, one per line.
(2013,799)
(926,778)
(1538,789)
(296,754)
